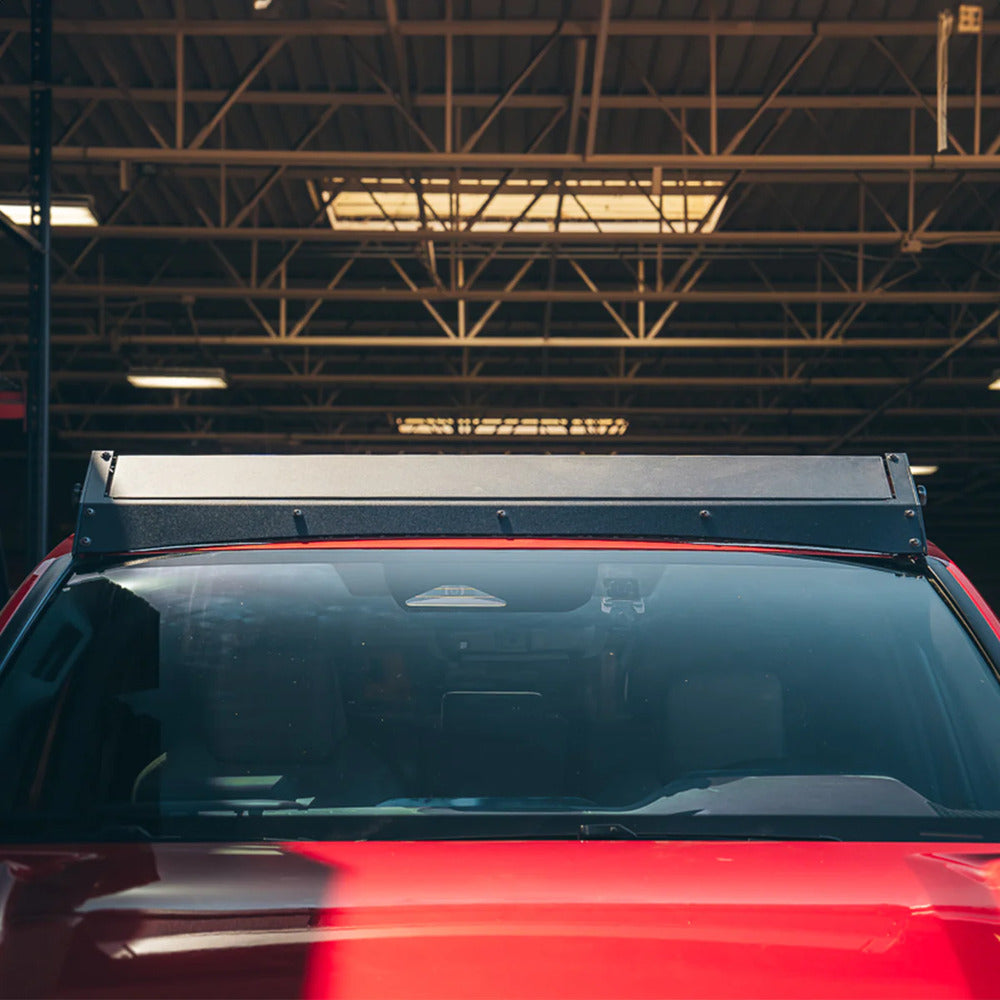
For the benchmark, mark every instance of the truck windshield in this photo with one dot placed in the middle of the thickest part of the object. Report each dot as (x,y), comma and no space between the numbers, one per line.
(332,692)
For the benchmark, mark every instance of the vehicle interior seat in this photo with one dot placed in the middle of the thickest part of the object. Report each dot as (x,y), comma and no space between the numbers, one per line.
(500,744)
(720,719)
(255,711)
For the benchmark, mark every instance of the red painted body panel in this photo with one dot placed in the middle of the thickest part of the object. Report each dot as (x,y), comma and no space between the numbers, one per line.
(542,919)
(522,543)
(502,919)
(977,599)
(12,406)
(63,548)
(66,546)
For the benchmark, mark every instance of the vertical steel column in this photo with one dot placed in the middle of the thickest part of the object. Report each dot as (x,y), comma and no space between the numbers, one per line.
(713,89)
(977,112)
(179,78)
(449,81)
(40,180)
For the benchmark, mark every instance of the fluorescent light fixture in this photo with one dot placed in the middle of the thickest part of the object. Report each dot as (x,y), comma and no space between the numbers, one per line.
(177,378)
(923,470)
(995,384)
(590,205)
(63,212)
(513,426)
(261,4)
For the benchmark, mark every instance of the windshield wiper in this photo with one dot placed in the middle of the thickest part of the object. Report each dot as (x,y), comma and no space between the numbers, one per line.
(245,807)
(180,808)
(618,831)
(607,831)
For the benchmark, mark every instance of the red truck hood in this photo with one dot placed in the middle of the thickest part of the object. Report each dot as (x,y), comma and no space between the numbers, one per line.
(477,919)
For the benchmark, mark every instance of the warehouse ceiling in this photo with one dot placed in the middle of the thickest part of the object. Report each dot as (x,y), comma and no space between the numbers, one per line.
(591,225)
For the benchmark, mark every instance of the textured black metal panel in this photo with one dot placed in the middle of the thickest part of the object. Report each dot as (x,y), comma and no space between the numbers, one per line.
(837,502)
(459,477)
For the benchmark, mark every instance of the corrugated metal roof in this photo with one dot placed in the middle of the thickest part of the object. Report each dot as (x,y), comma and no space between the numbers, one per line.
(852,96)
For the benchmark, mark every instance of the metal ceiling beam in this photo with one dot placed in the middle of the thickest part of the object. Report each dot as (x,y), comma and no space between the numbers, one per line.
(484,99)
(913,382)
(423,380)
(424,300)
(576,100)
(494,306)
(768,100)
(489,27)
(325,161)
(306,318)
(556,342)
(180,84)
(912,325)
(396,101)
(74,125)
(233,96)
(239,281)
(498,409)
(126,93)
(914,89)
(399,52)
(728,237)
(713,296)
(713,439)
(608,308)
(727,206)
(600,51)
(92,240)
(449,84)
(19,234)
(687,276)
(501,102)
(110,171)
(278,172)
(789,313)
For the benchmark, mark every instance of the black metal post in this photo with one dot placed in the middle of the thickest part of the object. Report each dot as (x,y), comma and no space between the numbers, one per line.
(40,169)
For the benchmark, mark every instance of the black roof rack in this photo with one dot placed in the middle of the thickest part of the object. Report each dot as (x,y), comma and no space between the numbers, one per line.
(136,503)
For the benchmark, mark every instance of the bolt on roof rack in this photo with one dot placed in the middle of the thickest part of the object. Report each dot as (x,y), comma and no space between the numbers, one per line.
(134,503)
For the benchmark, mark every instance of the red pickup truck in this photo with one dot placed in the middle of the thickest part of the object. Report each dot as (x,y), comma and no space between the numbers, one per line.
(497,726)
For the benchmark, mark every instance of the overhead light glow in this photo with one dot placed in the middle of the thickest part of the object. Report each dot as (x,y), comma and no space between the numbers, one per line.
(514,426)
(923,470)
(63,211)
(995,384)
(608,205)
(261,4)
(177,378)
